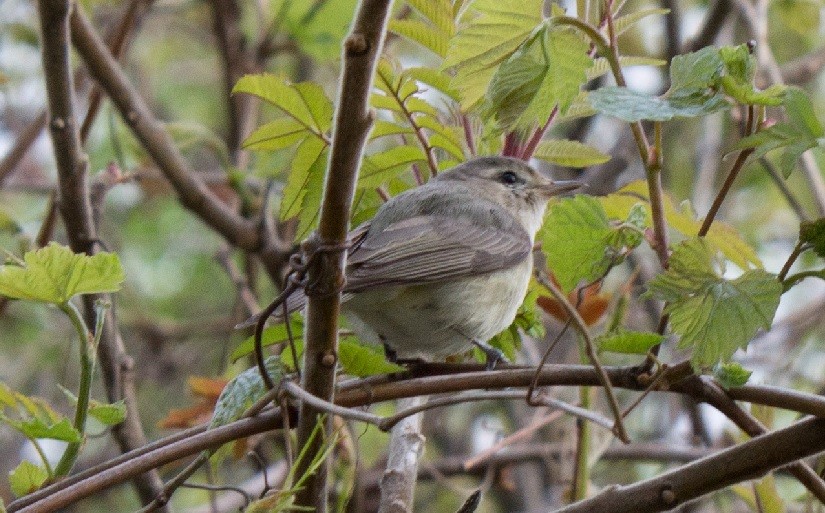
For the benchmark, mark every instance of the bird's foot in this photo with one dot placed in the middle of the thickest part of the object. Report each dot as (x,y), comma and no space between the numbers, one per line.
(492,355)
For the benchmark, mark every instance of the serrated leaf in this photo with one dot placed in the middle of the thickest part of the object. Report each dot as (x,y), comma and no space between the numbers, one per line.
(725,238)
(305,102)
(383,128)
(569,153)
(271,335)
(109,414)
(622,23)
(242,391)
(422,33)
(579,108)
(496,29)
(364,360)
(276,135)
(55,274)
(61,430)
(696,70)
(380,167)
(307,172)
(628,342)
(731,374)
(813,233)
(433,78)
(801,132)
(27,478)
(574,237)
(549,69)
(438,12)
(601,65)
(714,316)
(632,106)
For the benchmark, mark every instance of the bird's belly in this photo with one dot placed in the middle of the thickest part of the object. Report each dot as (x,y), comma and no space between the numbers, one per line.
(432,321)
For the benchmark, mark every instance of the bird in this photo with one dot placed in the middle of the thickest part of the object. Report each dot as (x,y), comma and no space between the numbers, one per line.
(445,266)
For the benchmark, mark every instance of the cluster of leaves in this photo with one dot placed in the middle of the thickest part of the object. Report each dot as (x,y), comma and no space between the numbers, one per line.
(54,275)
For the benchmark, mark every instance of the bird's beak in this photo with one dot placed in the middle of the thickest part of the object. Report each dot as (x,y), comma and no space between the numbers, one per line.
(555,188)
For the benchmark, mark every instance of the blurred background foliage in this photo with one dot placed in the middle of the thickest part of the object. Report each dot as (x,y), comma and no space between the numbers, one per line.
(178,305)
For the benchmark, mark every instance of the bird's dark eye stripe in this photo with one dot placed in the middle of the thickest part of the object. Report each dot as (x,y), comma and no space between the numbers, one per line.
(509,178)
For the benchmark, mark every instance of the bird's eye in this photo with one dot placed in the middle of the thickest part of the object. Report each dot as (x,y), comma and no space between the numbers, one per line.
(508,178)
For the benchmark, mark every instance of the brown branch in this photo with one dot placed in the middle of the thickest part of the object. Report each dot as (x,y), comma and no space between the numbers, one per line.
(21,146)
(353,121)
(74,200)
(746,461)
(193,194)
(803,69)
(361,392)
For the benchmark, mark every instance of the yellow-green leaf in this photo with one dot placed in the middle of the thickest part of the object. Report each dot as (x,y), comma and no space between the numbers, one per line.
(54,274)
(569,153)
(27,478)
(422,33)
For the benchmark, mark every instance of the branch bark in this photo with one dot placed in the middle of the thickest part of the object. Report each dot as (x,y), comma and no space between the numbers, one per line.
(353,121)
(406,446)
(749,460)
(75,207)
(193,194)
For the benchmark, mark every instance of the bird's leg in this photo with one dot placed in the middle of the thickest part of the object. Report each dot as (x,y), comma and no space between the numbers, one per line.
(493,355)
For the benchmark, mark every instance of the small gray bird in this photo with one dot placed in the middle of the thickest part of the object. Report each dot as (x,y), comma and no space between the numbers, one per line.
(446,265)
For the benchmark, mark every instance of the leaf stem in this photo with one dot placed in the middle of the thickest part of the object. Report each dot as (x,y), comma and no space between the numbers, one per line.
(67,461)
(800,247)
(734,172)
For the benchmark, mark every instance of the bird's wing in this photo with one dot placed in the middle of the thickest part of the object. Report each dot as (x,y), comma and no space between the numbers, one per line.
(424,249)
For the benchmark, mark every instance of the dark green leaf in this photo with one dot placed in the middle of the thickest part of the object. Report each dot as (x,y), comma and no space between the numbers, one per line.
(632,106)
(813,233)
(697,70)
(242,392)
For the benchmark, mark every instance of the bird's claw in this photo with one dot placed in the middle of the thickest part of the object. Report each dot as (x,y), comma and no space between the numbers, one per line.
(492,355)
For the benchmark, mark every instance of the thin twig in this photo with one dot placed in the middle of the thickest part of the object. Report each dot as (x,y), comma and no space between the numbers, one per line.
(572,313)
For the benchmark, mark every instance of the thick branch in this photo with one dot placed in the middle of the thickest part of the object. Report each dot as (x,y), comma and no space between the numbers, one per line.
(193,194)
(749,460)
(353,121)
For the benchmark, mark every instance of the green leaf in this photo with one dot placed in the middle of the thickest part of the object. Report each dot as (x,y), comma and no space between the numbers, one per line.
(383,128)
(27,478)
(813,233)
(601,65)
(549,69)
(713,315)
(422,33)
(364,360)
(696,70)
(569,153)
(434,78)
(276,135)
(731,374)
(8,224)
(494,30)
(437,12)
(800,133)
(55,274)
(622,23)
(305,103)
(628,342)
(576,238)
(725,238)
(304,185)
(379,168)
(270,336)
(740,67)
(631,106)
(108,414)
(61,430)
(242,391)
